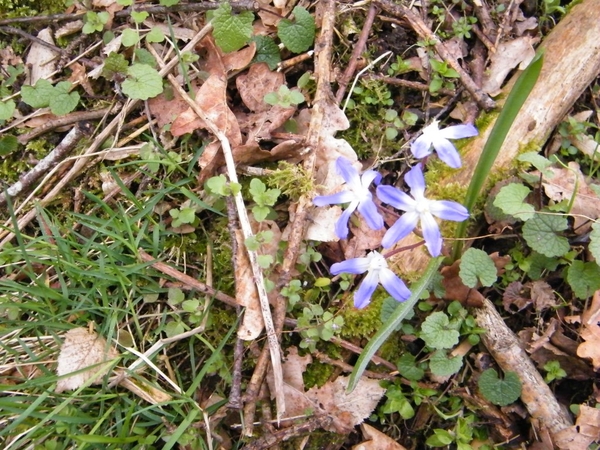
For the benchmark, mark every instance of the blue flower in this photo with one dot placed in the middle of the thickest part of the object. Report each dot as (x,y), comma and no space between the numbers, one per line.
(358,195)
(378,272)
(418,208)
(433,136)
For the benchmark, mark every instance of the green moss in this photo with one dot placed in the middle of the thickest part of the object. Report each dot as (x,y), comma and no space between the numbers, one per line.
(28,8)
(317,374)
(291,179)
(363,323)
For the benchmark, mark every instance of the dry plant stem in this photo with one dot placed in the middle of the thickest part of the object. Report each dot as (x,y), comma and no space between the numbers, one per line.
(358,49)
(67,120)
(408,84)
(271,440)
(504,346)
(30,37)
(419,26)
(274,347)
(108,131)
(48,163)
(240,5)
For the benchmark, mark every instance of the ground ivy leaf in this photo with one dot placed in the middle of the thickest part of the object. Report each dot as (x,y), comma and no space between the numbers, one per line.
(500,392)
(266,51)
(8,144)
(113,64)
(143,82)
(510,201)
(38,96)
(540,234)
(594,246)
(231,31)
(155,35)
(437,332)
(442,365)
(584,278)
(476,265)
(64,102)
(407,366)
(130,37)
(7,109)
(299,35)
(536,160)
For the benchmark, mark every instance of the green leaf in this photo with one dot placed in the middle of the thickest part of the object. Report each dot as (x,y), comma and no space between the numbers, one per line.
(510,201)
(408,368)
(397,402)
(594,246)
(267,51)
(175,296)
(231,31)
(155,35)
(168,2)
(143,82)
(143,56)
(260,212)
(584,278)
(540,234)
(115,63)
(139,16)
(440,438)
(130,37)
(299,35)
(390,306)
(190,306)
(476,265)
(7,109)
(518,94)
(174,328)
(443,366)
(392,323)
(63,101)
(500,392)
(437,332)
(536,160)
(8,144)
(264,261)
(38,96)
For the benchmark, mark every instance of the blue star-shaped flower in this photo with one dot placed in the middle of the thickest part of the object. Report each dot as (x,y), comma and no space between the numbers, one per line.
(439,139)
(418,208)
(358,195)
(378,272)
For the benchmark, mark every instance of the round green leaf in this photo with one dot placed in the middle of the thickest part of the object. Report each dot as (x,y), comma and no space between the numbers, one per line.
(476,265)
(500,392)
(297,36)
(143,82)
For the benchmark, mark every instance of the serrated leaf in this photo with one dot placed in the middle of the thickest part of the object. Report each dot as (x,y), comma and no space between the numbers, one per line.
(143,56)
(442,365)
(38,96)
(7,109)
(267,51)
(130,37)
(538,263)
(8,144)
(231,31)
(299,35)
(500,392)
(535,159)
(113,64)
(510,201)
(260,213)
(155,35)
(584,278)
(437,332)
(143,82)
(476,265)
(594,245)
(407,366)
(540,234)
(63,101)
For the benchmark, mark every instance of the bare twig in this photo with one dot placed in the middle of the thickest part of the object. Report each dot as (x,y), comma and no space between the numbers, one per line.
(423,30)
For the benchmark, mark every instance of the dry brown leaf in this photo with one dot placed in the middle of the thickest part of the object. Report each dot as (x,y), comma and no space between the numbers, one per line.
(515,294)
(585,431)
(560,184)
(543,295)
(239,59)
(82,349)
(41,60)
(376,440)
(590,332)
(256,83)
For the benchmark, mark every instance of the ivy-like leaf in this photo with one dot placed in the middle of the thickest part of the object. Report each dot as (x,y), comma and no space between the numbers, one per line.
(143,82)
(540,234)
(536,160)
(130,37)
(477,265)
(115,63)
(299,35)
(63,101)
(442,365)
(267,51)
(38,96)
(437,332)
(8,144)
(510,201)
(7,109)
(584,278)
(500,392)
(155,35)
(139,16)
(231,31)
(407,366)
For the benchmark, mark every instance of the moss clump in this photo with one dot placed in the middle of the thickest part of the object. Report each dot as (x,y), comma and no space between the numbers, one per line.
(292,180)
(317,374)
(362,323)
(28,8)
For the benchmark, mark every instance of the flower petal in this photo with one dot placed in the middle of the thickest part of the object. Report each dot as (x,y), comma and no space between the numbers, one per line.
(334,199)
(416,181)
(348,172)
(403,226)
(447,152)
(354,266)
(431,234)
(395,197)
(458,131)
(447,210)
(369,211)
(362,296)
(368,177)
(341,226)
(421,147)
(394,285)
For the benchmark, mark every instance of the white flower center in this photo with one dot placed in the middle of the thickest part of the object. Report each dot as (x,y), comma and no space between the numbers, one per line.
(376,261)
(422,206)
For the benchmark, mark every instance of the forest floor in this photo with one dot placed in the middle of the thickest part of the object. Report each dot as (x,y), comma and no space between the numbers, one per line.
(291,224)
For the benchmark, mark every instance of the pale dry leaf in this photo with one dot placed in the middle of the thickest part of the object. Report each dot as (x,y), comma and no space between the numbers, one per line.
(256,83)
(561,184)
(543,296)
(69,28)
(590,332)
(82,349)
(239,59)
(294,366)
(585,431)
(181,33)
(376,440)
(41,59)
(322,224)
